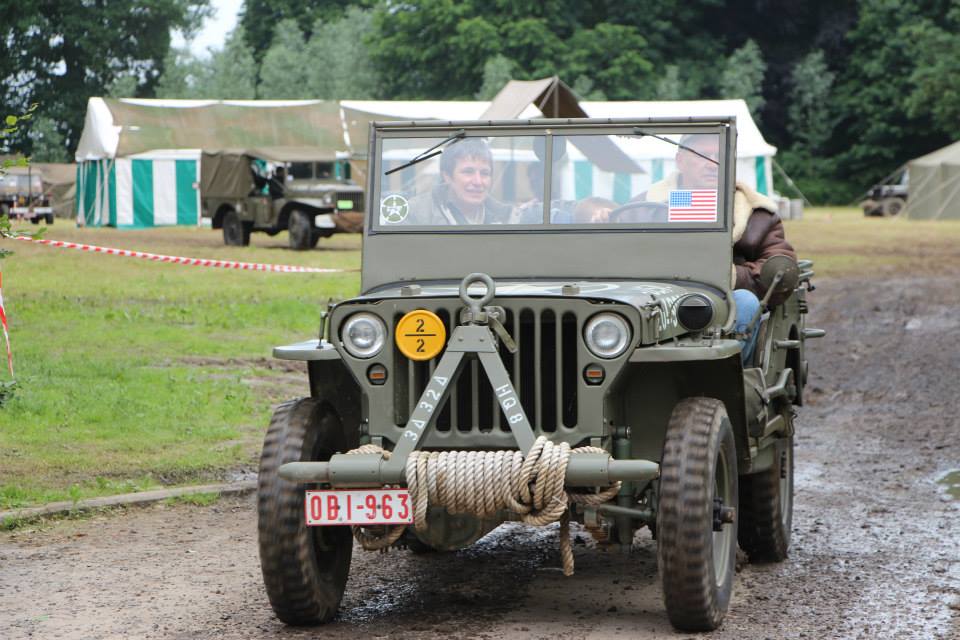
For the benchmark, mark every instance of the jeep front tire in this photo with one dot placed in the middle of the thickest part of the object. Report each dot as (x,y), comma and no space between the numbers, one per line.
(304,568)
(696,514)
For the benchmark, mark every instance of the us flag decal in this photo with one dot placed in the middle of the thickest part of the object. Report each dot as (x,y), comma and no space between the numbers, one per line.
(692,205)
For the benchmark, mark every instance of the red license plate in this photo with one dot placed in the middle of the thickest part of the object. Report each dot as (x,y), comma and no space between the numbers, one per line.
(358,506)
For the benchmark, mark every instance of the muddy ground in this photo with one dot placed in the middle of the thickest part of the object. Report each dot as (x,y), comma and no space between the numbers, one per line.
(876,540)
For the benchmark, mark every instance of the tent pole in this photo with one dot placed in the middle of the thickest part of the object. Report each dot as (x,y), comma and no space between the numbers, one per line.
(776,165)
(875,184)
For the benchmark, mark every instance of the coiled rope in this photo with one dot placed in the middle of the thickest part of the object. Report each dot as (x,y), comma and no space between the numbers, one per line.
(481,483)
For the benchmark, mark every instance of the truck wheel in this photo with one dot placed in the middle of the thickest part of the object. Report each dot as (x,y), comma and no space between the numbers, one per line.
(48,218)
(302,234)
(892,206)
(766,508)
(235,232)
(304,568)
(696,515)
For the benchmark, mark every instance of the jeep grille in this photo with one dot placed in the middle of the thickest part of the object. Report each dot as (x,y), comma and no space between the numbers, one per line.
(544,371)
(354,196)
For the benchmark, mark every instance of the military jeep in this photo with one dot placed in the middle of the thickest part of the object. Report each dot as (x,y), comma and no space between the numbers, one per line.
(568,356)
(301,190)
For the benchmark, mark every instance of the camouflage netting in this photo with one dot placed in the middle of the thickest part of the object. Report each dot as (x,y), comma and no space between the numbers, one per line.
(219,126)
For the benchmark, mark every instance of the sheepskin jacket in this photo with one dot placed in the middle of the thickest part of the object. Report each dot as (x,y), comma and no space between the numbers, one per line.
(757,233)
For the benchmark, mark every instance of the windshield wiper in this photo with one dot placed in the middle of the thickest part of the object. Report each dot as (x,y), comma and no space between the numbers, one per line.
(429,153)
(641,133)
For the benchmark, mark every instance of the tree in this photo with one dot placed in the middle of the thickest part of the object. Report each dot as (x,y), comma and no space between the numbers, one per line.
(876,131)
(612,56)
(341,67)
(583,87)
(259,18)
(123,86)
(497,71)
(58,54)
(742,76)
(284,72)
(181,75)
(437,49)
(230,73)
(47,141)
(936,76)
(810,117)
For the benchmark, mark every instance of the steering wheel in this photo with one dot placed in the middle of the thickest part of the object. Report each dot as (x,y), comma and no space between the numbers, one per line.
(639,211)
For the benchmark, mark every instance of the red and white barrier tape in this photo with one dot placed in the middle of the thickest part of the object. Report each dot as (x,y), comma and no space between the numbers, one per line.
(6,334)
(195,262)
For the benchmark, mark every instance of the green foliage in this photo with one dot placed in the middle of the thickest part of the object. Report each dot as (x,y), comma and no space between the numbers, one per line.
(742,76)
(59,54)
(583,87)
(936,75)
(126,86)
(497,71)
(612,56)
(260,17)
(878,132)
(229,73)
(434,48)
(47,141)
(339,65)
(284,72)
(181,75)
(811,120)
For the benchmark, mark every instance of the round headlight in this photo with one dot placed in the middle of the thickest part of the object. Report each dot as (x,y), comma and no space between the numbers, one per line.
(694,312)
(363,335)
(607,335)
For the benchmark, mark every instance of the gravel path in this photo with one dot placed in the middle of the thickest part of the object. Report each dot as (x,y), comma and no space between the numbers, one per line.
(875,554)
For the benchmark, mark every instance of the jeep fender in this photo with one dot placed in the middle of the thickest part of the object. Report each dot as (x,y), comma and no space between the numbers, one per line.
(656,378)
(330,380)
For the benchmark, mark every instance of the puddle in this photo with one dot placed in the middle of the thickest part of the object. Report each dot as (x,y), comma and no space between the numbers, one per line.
(951,479)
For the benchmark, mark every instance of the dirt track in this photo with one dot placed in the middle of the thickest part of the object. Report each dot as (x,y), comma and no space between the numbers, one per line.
(875,554)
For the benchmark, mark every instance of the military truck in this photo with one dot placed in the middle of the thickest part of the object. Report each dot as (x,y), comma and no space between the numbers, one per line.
(301,190)
(22,195)
(888,198)
(568,355)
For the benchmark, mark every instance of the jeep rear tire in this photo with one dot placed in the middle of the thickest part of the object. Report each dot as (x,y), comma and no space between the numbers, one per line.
(235,232)
(696,549)
(766,508)
(302,234)
(304,568)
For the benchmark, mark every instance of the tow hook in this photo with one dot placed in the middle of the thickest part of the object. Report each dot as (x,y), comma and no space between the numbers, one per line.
(722,515)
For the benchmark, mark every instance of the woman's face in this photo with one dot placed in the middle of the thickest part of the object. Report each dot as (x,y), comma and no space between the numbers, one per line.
(470,181)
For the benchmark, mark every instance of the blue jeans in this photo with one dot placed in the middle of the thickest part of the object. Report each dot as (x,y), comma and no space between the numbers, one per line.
(747,305)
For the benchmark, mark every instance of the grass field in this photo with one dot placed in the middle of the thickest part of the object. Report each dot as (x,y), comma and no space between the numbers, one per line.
(135,374)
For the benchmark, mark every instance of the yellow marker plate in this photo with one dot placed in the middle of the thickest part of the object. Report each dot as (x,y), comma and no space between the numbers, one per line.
(420,335)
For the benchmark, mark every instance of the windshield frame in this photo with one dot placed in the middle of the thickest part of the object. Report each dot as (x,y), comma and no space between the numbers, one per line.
(549,129)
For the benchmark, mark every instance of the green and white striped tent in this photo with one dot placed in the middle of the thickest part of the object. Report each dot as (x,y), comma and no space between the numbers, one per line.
(138,161)
(139,192)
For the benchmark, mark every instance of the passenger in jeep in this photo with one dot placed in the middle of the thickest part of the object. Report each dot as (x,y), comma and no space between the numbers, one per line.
(757,231)
(463,195)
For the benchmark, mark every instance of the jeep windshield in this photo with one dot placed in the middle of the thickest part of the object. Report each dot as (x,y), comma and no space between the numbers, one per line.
(561,178)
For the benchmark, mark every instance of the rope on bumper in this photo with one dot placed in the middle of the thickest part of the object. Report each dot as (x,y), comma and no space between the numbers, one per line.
(481,483)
